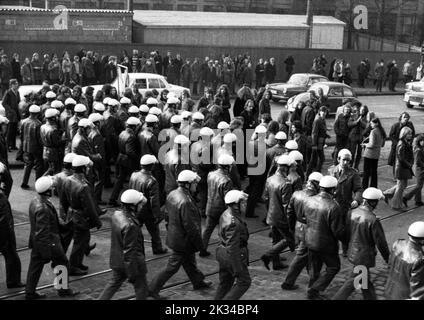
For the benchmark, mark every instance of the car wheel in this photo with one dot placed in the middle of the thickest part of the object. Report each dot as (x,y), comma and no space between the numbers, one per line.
(409,106)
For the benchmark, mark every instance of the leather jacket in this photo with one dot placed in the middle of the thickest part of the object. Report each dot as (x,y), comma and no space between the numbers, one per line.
(51,137)
(144,182)
(6,222)
(278,191)
(30,136)
(233,234)
(63,121)
(6,182)
(128,150)
(219,183)
(123,116)
(296,211)
(406,274)
(97,142)
(349,187)
(72,128)
(364,232)
(59,179)
(271,155)
(184,222)
(82,147)
(127,245)
(325,224)
(44,234)
(202,154)
(148,142)
(173,167)
(78,202)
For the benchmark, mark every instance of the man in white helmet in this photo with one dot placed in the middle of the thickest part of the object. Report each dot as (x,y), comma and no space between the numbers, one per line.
(274,152)
(297,223)
(111,130)
(32,145)
(406,266)
(128,157)
(168,135)
(349,185)
(50,97)
(53,145)
(232,253)
(277,194)
(44,240)
(218,184)
(150,214)
(166,116)
(127,256)
(72,127)
(97,143)
(66,114)
(364,234)
(184,235)
(80,143)
(82,212)
(122,112)
(325,226)
(196,125)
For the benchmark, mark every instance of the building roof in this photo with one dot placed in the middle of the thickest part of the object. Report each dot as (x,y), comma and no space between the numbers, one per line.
(25,8)
(201,19)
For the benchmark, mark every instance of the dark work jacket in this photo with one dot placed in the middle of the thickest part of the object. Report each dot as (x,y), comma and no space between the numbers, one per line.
(51,137)
(296,211)
(148,142)
(324,223)
(11,105)
(184,222)
(319,132)
(59,179)
(173,167)
(219,183)
(97,142)
(82,146)
(4,154)
(128,150)
(127,245)
(349,187)
(7,232)
(144,182)
(307,119)
(233,234)
(364,232)
(394,137)
(404,161)
(278,191)
(406,273)
(6,182)
(30,136)
(44,235)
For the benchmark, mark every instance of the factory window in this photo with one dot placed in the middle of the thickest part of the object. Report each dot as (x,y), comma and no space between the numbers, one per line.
(140,6)
(186,7)
(162,6)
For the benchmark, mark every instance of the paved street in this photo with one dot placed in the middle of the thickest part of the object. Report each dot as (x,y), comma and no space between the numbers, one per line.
(265,284)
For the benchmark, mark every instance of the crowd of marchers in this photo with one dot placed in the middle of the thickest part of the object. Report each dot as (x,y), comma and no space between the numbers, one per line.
(79,144)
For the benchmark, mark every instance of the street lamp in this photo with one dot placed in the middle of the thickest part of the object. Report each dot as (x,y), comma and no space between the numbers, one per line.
(309,21)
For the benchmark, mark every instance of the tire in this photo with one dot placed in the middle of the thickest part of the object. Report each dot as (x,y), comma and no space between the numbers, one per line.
(409,106)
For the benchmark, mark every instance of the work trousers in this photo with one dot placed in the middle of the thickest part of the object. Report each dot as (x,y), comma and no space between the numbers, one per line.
(282,238)
(12,129)
(299,262)
(320,281)
(417,190)
(211,223)
(370,173)
(118,278)
(32,161)
(317,159)
(122,175)
(154,232)
(81,240)
(12,261)
(348,287)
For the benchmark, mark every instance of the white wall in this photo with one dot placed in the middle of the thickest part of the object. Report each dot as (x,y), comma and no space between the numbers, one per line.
(327,36)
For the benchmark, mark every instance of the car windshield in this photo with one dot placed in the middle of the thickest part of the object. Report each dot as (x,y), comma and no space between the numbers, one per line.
(298,80)
(323,87)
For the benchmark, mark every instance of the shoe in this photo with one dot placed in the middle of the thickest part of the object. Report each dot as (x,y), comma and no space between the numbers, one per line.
(113,203)
(67,293)
(83,267)
(34,296)
(156,296)
(419,204)
(314,295)
(279,267)
(24,186)
(160,251)
(203,285)
(289,287)
(266,261)
(90,248)
(77,272)
(405,202)
(204,253)
(16,285)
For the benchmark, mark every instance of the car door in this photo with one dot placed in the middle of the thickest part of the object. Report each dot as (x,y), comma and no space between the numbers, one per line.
(335,98)
(142,82)
(348,95)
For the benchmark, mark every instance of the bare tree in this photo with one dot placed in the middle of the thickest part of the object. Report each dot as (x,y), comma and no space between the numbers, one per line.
(383,11)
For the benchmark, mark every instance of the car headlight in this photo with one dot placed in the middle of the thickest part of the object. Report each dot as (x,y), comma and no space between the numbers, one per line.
(274,91)
(284,90)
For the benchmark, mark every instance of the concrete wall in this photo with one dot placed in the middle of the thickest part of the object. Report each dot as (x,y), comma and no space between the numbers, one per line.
(228,37)
(302,57)
(69,26)
(327,36)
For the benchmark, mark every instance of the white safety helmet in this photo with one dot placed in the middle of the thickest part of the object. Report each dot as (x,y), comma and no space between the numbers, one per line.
(315,176)
(80,161)
(296,155)
(50,113)
(291,145)
(188,176)
(113,102)
(206,132)
(181,139)
(285,160)
(133,121)
(151,118)
(373,194)
(144,108)
(69,101)
(80,108)
(133,109)
(50,95)
(172,100)
(416,230)
(57,104)
(124,100)
(132,197)
(69,157)
(198,116)
(4,120)
(223,125)
(235,196)
(84,123)
(99,107)
(260,129)
(155,110)
(94,117)
(343,153)
(106,101)
(186,114)
(328,182)
(176,119)
(34,109)
(281,136)
(230,138)
(148,159)
(151,101)
(226,160)
(43,184)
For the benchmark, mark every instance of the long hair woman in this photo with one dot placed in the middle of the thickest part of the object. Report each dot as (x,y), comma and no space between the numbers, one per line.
(419,173)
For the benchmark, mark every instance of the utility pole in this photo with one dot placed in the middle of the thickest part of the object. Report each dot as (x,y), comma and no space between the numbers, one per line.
(309,22)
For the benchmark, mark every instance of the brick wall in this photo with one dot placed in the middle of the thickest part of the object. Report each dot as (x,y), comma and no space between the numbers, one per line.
(91,26)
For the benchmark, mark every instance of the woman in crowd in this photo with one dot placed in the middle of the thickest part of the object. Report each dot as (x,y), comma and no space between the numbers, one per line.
(224,95)
(419,173)
(373,145)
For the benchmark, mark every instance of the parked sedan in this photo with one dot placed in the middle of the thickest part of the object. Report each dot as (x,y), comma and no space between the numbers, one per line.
(298,83)
(336,94)
(414,95)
